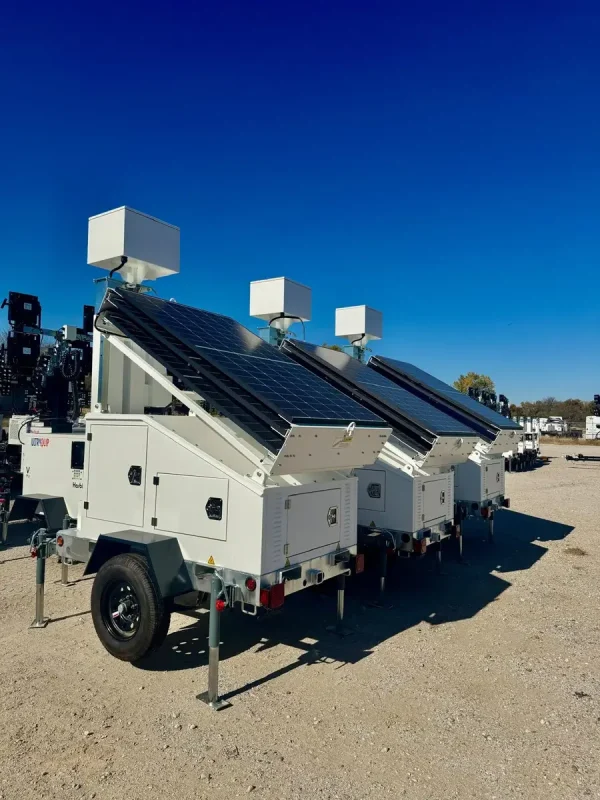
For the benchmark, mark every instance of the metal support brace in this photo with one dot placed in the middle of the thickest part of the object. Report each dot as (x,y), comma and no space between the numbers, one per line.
(4,515)
(211,697)
(40,620)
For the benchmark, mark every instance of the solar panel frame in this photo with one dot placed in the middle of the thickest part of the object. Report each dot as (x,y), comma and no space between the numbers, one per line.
(411,418)
(487,421)
(201,332)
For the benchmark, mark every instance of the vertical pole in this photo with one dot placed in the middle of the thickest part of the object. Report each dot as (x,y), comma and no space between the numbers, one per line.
(491,529)
(383,565)
(64,568)
(339,628)
(40,576)
(211,697)
(4,526)
(341,596)
(438,558)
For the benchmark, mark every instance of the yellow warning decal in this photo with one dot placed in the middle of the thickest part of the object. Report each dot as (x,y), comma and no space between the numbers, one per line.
(287,562)
(372,525)
(211,561)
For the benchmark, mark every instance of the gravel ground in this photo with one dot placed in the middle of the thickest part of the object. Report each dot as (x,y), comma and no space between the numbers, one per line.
(483,682)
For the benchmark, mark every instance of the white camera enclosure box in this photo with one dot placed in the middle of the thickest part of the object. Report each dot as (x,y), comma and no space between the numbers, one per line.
(358,322)
(280,296)
(151,246)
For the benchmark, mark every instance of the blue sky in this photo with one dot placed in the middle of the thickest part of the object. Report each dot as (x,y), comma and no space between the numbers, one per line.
(438,161)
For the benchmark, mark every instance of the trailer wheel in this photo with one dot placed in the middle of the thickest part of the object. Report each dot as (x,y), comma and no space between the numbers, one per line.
(130,618)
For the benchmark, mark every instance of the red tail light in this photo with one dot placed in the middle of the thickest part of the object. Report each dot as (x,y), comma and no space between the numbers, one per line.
(485,512)
(420,546)
(34,552)
(60,541)
(220,605)
(359,563)
(273,597)
(250,584)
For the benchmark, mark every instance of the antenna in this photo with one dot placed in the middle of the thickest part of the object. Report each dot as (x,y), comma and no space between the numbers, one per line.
(133,245)
(280,302)
(360,325)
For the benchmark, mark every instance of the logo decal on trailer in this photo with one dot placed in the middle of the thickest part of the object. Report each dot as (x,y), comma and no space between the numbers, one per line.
(37,442)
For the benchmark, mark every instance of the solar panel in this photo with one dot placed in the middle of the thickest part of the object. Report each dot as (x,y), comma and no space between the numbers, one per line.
(231,367)
(419,378)
(395,399)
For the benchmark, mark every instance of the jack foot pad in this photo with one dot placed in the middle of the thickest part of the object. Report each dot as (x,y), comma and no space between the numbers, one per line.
(340,631)
(41,623)
(216,705)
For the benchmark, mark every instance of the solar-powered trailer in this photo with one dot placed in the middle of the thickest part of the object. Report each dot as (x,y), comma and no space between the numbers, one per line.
(406,499)
(248,496)
(479,483)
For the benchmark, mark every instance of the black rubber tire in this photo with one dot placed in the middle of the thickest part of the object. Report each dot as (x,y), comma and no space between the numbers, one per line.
(154,614)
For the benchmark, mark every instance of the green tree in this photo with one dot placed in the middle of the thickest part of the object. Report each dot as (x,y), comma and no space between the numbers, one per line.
(333,347)
(465,382)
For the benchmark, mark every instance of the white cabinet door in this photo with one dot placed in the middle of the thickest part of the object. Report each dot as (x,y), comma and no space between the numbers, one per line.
(192,505)
(117,473)
(313,520)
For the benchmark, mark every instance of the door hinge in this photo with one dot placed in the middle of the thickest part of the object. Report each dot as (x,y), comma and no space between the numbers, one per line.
(156,480)
(154,522)
(288,502)
(86,505)
(89,437)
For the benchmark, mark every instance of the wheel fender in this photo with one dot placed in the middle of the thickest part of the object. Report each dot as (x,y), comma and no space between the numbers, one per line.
(163,554)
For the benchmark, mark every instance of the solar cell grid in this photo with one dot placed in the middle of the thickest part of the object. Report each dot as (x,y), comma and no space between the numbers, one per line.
(293,391)
(446,391)
(381,387)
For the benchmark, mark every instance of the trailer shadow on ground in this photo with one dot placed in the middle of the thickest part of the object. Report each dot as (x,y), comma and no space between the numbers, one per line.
(416,594)
(19,535)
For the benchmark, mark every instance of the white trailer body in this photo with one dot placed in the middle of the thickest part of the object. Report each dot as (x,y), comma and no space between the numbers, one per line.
(161,482)
(592,427)
(391,499)
(408,495)
(480,483)
(53,464)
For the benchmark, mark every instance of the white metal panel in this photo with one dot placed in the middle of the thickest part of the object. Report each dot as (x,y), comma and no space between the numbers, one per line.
(313,520)
(435,500)
(406,506)
(371,489)
(493,478)
(112,451)
(48,467)
(308,448)
(181,505)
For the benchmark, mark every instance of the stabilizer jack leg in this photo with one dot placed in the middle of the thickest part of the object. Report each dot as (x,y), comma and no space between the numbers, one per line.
(491,529)
(40,620)
(383,571)
(339,628)
(211,697)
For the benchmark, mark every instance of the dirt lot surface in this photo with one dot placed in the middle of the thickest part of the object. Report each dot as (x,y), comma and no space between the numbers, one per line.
(483,682)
